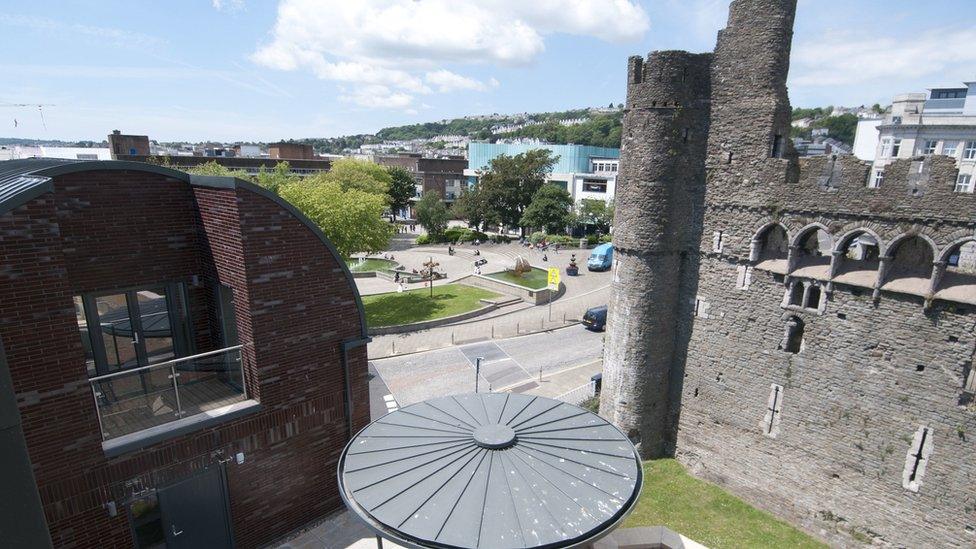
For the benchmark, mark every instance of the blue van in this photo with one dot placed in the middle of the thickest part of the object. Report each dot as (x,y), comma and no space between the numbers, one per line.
(601,258)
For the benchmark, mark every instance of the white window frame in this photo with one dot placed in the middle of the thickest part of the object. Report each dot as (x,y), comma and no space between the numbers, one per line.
(964,183)
(877,179)
(970,152)
(950,148)
(930,146)
(895,148)
(886,147)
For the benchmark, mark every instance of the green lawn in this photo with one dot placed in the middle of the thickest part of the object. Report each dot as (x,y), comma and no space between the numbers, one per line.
(371,264)
(536,279)
(706,513)
(416,305)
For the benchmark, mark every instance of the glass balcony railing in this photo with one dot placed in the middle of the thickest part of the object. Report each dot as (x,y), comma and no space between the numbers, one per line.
(141,398)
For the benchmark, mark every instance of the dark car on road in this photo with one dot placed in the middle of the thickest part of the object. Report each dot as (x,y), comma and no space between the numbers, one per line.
(596,318)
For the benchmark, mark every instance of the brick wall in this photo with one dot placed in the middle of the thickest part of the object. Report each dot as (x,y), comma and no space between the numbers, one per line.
(104,230)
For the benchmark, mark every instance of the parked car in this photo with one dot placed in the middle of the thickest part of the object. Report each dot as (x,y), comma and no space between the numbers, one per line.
(596,318)
(601,258)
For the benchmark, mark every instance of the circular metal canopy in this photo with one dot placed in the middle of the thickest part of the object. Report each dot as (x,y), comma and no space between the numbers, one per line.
(495,470)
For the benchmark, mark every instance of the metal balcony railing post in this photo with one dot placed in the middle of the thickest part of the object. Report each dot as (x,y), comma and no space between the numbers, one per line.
(98,409)
(176,390)
(240,361)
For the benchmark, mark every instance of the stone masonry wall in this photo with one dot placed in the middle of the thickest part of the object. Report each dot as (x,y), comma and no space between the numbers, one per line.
(827,436)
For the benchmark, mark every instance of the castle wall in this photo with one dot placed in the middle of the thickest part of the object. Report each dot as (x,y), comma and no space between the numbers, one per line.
(835,393)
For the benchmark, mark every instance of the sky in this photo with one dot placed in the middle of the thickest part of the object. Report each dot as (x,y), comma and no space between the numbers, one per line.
(265,70)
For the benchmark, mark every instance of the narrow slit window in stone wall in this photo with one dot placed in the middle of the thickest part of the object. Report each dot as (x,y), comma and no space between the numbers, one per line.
(774,408)
(917,459)
(793,336)
(796,294)
(717,241)
(813,297)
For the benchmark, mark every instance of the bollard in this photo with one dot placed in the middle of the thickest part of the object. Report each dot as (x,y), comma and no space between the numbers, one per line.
(393,345)
(517,330)
(493,331)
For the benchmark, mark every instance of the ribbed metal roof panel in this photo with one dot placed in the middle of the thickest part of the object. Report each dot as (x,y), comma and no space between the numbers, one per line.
(491,471)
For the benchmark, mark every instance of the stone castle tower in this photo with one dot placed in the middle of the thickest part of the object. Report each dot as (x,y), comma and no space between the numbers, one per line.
(684,111)
(778,325)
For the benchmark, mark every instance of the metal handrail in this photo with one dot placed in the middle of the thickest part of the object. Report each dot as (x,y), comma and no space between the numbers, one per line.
(166,363)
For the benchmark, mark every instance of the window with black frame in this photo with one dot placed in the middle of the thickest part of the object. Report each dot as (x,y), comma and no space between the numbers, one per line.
(127,329)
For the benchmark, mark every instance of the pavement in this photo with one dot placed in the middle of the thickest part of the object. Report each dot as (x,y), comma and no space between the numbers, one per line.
(547,364)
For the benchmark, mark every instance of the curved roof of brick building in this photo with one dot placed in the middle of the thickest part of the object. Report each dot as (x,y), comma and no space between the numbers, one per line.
(26,179)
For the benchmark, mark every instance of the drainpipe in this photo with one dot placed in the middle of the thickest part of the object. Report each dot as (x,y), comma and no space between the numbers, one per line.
(22,522)
(347,400)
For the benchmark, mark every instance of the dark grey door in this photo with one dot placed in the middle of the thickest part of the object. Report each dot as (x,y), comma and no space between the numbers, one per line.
(194,512)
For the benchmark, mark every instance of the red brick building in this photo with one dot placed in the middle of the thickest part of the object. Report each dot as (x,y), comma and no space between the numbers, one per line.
(187,355)
(444,176)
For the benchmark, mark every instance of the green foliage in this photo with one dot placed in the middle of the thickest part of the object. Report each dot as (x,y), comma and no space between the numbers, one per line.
(275,179)
(550,209)
(706,513)
(402,188)
(510,183)
(534,279)
(336,145)
(350,217)
(417,306)
(593,211)
(215,169)
(537,237)
(841,128)
(816,112)
(472,207)
(351,173)
(425,239)
(432,214)
(600,131)
(462,234)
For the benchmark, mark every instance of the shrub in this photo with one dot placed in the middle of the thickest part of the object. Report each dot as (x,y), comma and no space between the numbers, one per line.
(464,234)
(591,239)
(537,237)
(500,239)
(562,240)
(605,239)
(429,239)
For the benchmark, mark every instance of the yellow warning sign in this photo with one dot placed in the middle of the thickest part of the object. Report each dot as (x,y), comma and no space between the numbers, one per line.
(553,276)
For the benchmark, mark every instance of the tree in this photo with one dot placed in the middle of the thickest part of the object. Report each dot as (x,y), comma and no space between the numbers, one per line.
(351,173)
(596,212)
(550,209)
(275,179)
(432,214)
(511,182)
(351,218)
(402,188)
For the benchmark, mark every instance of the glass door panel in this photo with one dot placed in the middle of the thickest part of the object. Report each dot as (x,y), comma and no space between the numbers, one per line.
(116,331)
(156,325)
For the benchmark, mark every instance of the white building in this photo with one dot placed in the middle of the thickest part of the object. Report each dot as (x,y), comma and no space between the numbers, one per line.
(43,151)
(942,122)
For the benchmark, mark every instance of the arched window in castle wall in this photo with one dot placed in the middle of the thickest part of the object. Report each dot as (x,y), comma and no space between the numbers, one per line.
(910,270)
(958,282)
(858,259)
(770,249)
(813,254)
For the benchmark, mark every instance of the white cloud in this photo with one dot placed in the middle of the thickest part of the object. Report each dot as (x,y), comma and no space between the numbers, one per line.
(840,59)
(228,5)
(404,45)
(447,81)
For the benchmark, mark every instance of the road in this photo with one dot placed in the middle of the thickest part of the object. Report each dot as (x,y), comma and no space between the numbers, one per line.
(566,358)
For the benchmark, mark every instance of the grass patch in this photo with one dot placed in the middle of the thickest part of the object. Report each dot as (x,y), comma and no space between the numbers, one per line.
(371,264)
(536,279)
(417,306)
(706,513)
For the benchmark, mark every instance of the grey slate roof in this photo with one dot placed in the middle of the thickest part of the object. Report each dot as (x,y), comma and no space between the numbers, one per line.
(493,471)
